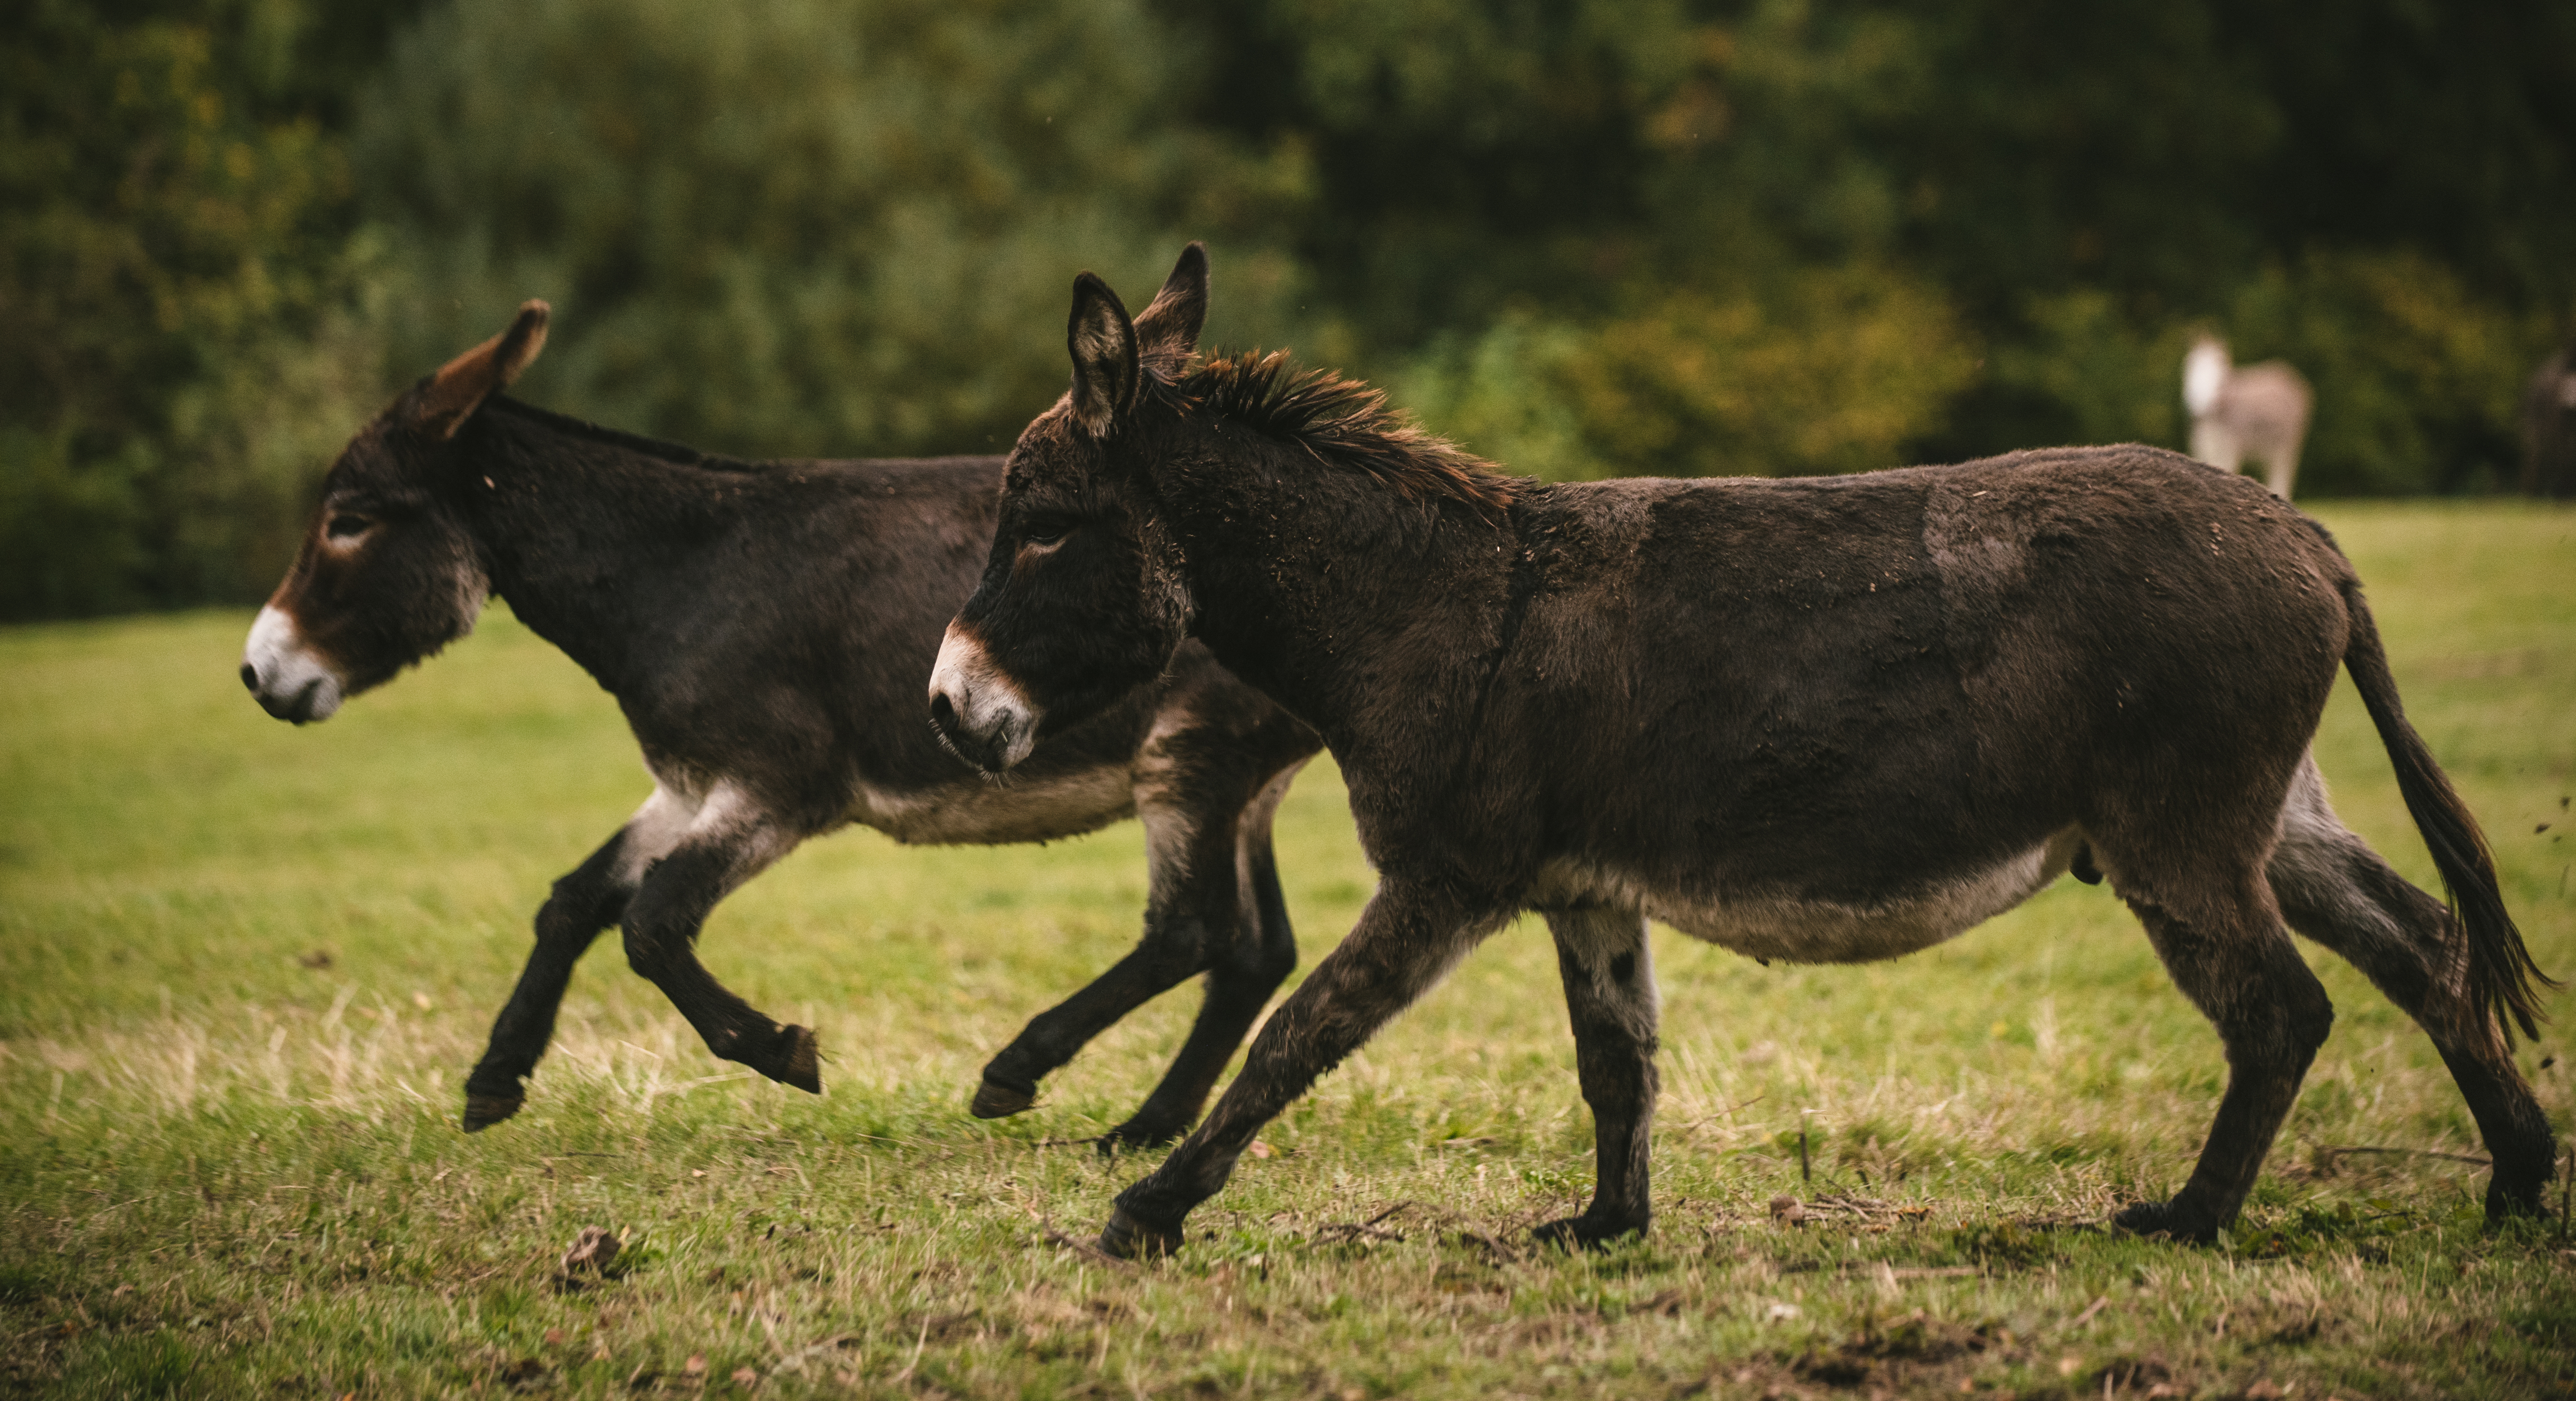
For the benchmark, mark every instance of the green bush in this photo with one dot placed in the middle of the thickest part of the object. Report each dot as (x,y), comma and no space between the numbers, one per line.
(798,226)
(2418,379)
(176,262)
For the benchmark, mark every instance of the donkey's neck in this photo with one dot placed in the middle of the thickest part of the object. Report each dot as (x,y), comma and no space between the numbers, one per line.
(1338,594)
(574,521)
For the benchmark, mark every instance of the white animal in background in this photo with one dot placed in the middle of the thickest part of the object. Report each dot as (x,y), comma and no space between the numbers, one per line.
(2549,427)
(2257,411)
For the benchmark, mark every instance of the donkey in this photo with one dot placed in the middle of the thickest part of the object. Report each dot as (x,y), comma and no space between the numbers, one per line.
(2258,411)
(1823,720)
(764,626)
(2549,427)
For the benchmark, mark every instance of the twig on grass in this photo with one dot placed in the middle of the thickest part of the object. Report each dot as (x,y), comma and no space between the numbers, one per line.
(1369,1229)
(1809,1267)
(2326,1156)
(1350,1231)
(1728,1112)
(1496,1251)
(1861,1206)
(1085,1249)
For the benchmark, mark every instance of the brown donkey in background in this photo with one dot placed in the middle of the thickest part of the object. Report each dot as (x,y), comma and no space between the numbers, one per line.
(765,627)
(1820,720)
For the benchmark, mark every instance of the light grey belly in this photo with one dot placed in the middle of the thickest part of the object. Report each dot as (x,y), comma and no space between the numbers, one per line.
(1803,929)
(977,810)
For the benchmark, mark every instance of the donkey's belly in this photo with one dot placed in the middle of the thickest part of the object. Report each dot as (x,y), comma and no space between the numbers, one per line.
(976,810)
(1805,929)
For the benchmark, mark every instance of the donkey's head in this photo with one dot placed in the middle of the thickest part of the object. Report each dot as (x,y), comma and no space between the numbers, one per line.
(1083,594)
(2204,374)
(388,573)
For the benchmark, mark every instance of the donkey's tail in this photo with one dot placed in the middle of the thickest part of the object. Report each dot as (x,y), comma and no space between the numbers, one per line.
(2501,972)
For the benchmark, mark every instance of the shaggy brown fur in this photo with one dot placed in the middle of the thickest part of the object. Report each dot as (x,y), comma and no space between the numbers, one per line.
(1343,423)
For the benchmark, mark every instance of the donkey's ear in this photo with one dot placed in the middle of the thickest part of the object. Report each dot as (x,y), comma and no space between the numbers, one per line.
(1103,342)
(445,400)
(1167,331)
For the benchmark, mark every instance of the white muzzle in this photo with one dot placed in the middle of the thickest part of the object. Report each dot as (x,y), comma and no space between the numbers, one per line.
(977,708)
(289,679)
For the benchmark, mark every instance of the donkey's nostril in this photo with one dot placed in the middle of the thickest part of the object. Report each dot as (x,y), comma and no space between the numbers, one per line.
(942,713)
(250,676)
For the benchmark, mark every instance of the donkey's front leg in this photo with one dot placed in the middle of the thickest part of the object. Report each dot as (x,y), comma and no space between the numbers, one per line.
(662,923)
(586,901)
(1405,941)
(1610,994)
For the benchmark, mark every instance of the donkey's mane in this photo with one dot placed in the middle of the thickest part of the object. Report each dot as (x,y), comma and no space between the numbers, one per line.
(680,453)
(1344,423)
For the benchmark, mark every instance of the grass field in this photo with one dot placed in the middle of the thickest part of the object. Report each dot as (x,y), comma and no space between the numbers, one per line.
(244,967)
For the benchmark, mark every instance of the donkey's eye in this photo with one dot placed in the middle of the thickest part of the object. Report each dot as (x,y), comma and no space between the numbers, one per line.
(345,526)
(1046,533)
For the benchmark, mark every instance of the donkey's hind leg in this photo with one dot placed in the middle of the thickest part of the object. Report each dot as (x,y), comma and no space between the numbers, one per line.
(589,899)
(2220,937)
(1609,977)
(725,846)
(2334,889)
(1241,975)
(1182,852)
(1207,855)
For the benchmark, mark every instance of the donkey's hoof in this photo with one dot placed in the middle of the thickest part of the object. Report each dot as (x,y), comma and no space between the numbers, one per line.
(2163,1219)
(2519,1202)
(1583,1233)
(1126,1238)
(803,1063)
(483,1111)
(994,1100)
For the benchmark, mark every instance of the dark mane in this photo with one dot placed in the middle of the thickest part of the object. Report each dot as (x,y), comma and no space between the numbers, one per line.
(1344,423)
(679,453)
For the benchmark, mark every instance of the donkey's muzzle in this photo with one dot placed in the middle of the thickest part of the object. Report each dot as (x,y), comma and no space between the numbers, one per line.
(284,675)
(978,711)
(988,751)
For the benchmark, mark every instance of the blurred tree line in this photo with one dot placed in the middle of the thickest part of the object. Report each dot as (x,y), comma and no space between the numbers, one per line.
(1770,236)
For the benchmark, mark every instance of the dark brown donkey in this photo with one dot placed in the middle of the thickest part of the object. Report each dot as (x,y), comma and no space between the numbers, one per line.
(765,627)
(1825,720)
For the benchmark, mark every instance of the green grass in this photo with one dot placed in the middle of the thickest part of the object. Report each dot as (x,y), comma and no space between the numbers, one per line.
(244,967)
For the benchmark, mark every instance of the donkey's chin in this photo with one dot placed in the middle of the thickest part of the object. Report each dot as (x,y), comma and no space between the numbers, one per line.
(992,752)
(318,699)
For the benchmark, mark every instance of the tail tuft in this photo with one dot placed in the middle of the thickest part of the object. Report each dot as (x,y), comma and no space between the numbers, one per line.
(2504,981)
